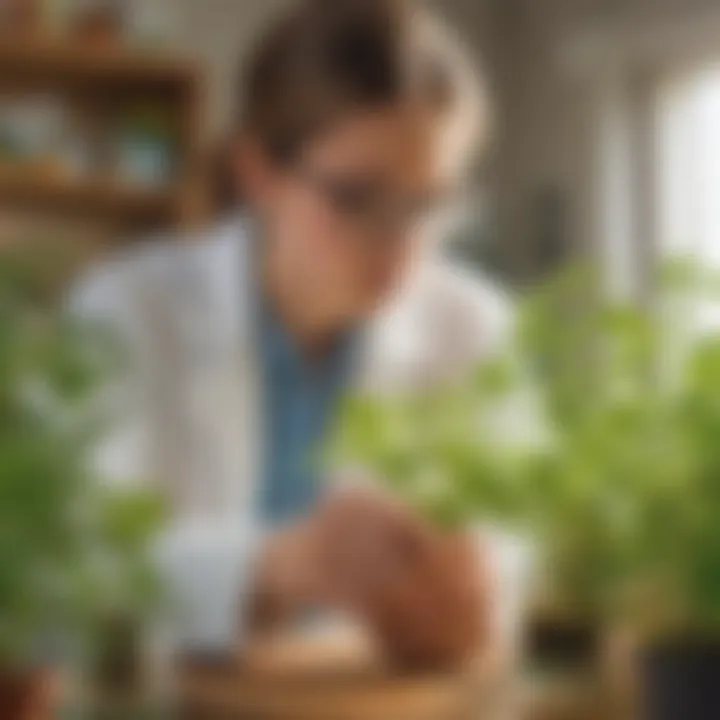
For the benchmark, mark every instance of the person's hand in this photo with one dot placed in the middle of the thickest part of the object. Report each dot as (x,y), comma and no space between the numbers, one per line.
(424,593)
(287,576)
(435,611)
(336,557)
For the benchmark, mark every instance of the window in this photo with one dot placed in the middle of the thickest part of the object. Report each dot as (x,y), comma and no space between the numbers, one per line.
(689,166)
(688,171)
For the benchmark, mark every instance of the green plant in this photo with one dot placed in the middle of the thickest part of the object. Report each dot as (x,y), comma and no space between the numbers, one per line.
(440,449)
(71,550)
(623,493)
(627,494)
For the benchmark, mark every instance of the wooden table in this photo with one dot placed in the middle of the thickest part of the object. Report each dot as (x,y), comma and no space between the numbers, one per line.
(334,679)
(340,678)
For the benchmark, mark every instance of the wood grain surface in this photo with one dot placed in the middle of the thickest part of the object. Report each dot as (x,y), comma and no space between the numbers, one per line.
(337,678)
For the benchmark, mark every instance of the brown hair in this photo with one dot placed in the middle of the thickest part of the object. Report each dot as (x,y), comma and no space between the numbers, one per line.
(327,58)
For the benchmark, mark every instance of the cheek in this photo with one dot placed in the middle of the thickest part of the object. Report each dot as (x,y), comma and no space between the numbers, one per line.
(319,239)
(329,252)
(324,240)
(302,214)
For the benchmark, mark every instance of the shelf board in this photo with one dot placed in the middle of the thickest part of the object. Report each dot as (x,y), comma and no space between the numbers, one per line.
(46,58)
(89,198)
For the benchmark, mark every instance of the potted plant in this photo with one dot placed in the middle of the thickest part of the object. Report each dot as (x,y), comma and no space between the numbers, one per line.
(680,658)
(631,520)
(608,386)
(467,453)
(572,488)
(65,541)
(622,494)
(589,359)
(126,595)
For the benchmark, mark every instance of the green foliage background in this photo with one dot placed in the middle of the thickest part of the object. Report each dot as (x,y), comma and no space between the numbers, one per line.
(622,494)
(71,550)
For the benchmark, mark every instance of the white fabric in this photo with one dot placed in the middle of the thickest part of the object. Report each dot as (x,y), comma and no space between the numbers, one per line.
(188,416)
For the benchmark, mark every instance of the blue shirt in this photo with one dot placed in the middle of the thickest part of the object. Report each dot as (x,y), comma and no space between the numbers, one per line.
(300,397)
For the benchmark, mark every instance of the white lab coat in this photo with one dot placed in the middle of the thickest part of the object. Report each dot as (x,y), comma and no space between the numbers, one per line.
(188,415)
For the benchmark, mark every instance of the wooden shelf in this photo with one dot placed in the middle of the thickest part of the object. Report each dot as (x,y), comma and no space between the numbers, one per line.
(88,198)
(111,65)
(98,84)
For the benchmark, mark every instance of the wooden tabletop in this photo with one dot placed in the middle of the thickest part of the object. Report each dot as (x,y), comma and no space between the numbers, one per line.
(338,678)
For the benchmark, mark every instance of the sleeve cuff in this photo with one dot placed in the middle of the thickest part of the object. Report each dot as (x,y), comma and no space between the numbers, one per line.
(207,574)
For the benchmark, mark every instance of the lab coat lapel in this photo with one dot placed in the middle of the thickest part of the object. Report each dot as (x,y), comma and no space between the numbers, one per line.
(226,384)
(394,358)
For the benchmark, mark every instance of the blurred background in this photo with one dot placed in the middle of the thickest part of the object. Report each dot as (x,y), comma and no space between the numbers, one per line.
(602,107)
(604,147)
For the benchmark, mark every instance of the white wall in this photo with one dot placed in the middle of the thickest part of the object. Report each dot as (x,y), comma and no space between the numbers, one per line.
(551,108)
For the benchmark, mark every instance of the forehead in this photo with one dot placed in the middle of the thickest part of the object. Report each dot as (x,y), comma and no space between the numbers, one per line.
(402,146)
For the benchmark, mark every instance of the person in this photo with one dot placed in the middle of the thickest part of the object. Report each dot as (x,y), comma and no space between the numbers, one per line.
(356,120)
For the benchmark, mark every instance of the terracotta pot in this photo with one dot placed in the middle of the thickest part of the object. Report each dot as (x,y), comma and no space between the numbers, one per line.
(27,695)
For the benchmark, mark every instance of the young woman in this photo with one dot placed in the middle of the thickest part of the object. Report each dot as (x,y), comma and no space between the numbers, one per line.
(356,119)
